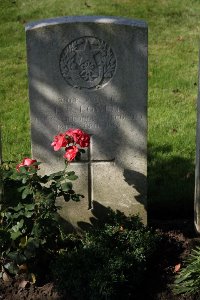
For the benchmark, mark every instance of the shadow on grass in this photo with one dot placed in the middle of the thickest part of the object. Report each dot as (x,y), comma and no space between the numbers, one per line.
(170,184)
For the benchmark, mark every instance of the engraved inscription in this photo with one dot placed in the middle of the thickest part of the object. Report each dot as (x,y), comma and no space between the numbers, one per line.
(87,63)
(75,112)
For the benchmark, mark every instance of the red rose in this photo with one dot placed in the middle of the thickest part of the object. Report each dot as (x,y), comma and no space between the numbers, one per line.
(70,153)
(80,137)
(69,132)
(26,162)
(59,141)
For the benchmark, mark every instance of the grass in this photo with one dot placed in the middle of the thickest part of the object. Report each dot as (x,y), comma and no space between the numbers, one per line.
(174,27)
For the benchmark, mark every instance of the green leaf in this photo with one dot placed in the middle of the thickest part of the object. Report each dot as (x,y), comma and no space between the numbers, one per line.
(78,156)
(32,171)
(15,230)
(24,180)
(82,150)
(30,206)
(181,278)
(31,247)
(18,207)
(70,173)
(66,197)
(56,176)
(29,253)
(23,241)
(18,214)
(18,257)
(33,243)
(8,215)
(37,163)
(7,174)
(51,195)
(66,186)
(19,225)
(23,170)
(44,179)
(28,214)
(11,267)
(58,184)
(75,197)
(15,235)
(21,188)
(72,177)
(26,192)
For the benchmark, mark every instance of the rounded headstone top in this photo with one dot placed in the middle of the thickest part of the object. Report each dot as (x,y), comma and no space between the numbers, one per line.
(85,19)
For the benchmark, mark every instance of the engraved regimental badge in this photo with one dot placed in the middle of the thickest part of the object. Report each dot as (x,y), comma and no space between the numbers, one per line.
(87,62)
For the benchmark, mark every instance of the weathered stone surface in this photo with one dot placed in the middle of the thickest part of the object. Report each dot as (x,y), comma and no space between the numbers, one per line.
(1,179)
(91,73)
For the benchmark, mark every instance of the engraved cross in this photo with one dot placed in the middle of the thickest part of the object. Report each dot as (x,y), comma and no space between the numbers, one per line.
(90,162)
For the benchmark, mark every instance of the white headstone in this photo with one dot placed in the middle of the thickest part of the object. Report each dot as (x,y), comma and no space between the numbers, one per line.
(91,73)
(1,175)
(197,169)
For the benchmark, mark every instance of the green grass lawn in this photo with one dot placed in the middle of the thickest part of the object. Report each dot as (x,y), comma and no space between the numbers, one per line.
(174,29)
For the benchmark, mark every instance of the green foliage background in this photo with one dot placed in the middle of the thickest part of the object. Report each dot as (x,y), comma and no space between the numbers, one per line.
(114,259)
(174,27)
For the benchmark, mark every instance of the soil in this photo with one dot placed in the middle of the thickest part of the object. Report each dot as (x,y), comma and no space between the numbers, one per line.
(179,239)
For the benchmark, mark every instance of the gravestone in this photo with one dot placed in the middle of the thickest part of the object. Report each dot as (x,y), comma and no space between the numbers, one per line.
(91,73)
(197,168)
(1,175)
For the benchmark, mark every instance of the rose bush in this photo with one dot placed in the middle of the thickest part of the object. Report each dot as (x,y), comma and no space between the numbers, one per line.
(30,231)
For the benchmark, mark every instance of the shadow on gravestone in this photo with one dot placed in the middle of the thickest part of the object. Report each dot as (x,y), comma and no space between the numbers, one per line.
(136,180)
(48,115)
(100,214)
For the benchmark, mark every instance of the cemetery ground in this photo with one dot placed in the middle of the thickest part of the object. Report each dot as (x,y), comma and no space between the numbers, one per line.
(175,245)
(173,68)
